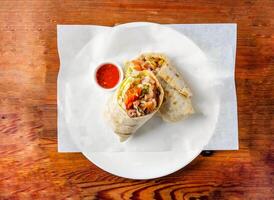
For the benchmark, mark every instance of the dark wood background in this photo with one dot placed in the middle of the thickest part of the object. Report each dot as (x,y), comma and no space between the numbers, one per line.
(31,168)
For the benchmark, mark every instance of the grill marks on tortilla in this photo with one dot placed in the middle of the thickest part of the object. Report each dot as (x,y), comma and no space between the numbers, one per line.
(167,78)
(185,91)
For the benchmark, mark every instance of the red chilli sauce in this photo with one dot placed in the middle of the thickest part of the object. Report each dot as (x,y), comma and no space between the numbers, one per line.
(108,75)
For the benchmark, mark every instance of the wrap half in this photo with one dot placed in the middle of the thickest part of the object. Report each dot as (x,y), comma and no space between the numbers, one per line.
(138,98)
(177,100)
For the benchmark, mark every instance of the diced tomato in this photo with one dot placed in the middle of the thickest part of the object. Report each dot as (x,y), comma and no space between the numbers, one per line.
(138,91)
(129,101)
(132,95)
(129,104)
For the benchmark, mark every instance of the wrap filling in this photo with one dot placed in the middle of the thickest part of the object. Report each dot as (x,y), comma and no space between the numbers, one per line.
(139,95)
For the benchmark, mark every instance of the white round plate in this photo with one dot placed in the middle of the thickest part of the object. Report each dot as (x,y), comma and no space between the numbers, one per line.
(158,148)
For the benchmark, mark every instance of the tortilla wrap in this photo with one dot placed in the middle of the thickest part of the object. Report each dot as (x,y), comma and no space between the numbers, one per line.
(122,124)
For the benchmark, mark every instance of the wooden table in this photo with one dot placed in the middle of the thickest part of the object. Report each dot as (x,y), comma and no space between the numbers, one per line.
(31,167)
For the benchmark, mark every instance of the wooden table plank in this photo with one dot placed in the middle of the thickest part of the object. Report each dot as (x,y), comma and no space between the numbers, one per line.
(31,168)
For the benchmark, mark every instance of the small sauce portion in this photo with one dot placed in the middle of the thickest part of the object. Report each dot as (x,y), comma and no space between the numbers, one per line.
(108,75)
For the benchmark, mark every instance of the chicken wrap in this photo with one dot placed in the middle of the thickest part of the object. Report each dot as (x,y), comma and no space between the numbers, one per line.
(138,98)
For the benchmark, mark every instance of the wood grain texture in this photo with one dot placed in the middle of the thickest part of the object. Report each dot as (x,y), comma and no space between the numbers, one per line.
(31,168)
